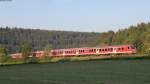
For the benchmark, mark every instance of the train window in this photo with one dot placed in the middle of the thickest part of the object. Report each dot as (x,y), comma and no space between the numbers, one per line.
(94,50)
(128,47)
(122,48)
(105,49)
(111,49)
(100,50)
(118,48)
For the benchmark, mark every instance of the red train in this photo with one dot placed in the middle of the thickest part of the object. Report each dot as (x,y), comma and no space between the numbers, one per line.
(103,50)
(122,49)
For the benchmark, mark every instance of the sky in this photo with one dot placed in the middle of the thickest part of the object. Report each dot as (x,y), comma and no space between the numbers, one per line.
(74,15)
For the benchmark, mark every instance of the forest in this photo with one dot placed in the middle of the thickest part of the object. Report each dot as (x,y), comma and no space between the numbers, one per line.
(13,38)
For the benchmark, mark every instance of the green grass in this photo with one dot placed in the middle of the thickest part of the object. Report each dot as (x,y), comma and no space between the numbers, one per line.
(84,72)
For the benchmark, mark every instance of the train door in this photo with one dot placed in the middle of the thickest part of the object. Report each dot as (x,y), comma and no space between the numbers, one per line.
(63,53)
(77,52)
(97,51)
(114,50)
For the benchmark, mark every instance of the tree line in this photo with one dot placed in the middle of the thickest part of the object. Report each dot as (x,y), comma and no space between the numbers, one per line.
(13,38)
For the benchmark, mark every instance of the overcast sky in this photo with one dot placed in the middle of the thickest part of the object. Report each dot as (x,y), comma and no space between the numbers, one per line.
(74,15)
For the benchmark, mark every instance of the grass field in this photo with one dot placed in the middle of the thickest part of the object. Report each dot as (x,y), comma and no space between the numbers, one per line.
(83,72)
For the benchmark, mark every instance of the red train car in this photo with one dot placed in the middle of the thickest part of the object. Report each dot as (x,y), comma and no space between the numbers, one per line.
(122,49)
(38,54)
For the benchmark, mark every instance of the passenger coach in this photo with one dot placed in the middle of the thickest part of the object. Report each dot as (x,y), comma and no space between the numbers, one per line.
(122,49)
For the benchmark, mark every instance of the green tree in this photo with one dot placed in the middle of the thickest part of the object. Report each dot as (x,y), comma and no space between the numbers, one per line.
(26,51)
(3,54)
(46,56)
(139,45)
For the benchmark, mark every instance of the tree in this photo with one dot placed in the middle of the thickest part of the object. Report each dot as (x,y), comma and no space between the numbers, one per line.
(26,51)
(138,44)
(3,54)
(46,56)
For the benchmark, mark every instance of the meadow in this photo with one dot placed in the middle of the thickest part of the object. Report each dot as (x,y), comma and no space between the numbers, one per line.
(132,71)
